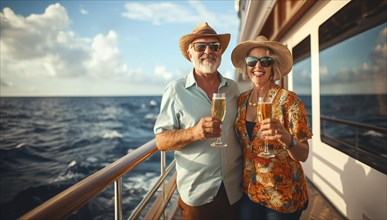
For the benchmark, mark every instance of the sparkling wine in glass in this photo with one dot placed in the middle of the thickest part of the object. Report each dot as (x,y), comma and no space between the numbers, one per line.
(219,112)
(263,112)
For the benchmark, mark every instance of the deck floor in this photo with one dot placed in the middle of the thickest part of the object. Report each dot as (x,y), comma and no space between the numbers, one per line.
(319,208)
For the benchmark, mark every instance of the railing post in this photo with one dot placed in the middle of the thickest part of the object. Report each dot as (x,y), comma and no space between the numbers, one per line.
(163,165)
(118,199)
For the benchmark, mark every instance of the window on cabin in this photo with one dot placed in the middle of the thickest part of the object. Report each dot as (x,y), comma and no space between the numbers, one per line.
(353,82)
(302,85)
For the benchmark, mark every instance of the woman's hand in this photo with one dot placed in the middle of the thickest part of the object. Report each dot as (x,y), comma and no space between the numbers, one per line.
(273,129)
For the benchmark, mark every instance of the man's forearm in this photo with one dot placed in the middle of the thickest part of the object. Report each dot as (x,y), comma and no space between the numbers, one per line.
(207,127)
(174,139)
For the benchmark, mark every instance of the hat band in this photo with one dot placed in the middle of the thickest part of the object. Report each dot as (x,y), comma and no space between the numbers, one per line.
(205,31)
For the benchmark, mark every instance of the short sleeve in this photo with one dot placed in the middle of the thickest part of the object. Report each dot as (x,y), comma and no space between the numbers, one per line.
(299,124)
(167,119)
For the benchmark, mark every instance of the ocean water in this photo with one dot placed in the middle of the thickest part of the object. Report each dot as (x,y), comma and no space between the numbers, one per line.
(47,144)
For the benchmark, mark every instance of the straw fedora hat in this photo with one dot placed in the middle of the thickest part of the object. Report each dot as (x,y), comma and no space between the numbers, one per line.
(279,52)
(202,30)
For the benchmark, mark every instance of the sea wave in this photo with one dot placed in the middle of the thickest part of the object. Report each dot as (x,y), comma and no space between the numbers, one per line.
(373,133)
(150,117)
(49,144)
(112,134)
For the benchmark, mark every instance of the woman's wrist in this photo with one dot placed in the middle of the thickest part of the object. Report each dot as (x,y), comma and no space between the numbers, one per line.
(291,144)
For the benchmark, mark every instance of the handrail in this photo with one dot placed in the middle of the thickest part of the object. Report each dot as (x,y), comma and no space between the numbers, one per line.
(72,199)
(354,124)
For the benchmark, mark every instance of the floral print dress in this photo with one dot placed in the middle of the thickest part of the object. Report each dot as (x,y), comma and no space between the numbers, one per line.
(277,183)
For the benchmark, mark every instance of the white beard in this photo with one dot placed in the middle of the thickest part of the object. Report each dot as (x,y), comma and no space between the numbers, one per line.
(211,66)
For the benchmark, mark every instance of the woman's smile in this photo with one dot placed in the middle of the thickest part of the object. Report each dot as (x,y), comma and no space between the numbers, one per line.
(258,73)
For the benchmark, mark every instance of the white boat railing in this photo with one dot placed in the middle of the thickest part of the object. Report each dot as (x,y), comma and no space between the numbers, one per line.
(72,199)
(355,149)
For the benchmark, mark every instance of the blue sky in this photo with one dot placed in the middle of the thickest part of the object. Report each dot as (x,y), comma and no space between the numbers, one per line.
(103,48)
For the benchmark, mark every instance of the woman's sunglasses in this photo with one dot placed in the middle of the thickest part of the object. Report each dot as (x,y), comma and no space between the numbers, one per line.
(201,46)
(265,61)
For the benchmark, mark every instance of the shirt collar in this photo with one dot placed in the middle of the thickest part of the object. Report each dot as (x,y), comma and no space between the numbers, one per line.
(190,80)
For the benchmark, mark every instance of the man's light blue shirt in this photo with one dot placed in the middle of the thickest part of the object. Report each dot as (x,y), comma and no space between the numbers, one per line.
(200,167)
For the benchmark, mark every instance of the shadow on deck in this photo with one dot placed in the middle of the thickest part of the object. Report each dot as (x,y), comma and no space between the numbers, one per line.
(319,207)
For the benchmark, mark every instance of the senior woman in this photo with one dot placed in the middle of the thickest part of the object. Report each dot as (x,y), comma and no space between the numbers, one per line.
(274,188)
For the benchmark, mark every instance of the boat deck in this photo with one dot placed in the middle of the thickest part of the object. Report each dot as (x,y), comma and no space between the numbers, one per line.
(318,208)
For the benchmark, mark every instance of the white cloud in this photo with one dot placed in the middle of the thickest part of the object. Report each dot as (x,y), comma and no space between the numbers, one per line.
(158,13)
(202,11)
(168,12)
(40,47)
(105,56)
(221,22)
(379,55)
(37,46)
(21,38)
(161,71)
(83,11)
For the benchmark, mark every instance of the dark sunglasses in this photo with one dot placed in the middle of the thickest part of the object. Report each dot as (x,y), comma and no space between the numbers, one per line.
(265,61)
(201,46)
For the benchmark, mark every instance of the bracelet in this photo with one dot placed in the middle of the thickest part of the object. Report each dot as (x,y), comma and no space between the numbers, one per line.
(293,142)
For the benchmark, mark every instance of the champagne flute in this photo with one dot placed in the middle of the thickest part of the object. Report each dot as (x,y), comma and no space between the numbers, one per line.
(219,112)
(263,112)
